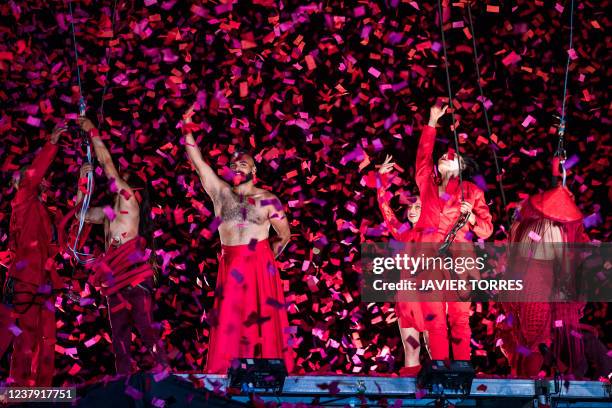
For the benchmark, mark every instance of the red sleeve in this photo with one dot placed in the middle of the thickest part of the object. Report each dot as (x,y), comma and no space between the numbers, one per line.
(398,230)
(424,158)
(37,170)
(483,227)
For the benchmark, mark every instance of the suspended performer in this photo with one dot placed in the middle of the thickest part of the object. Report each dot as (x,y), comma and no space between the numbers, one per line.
(410,314)
(542,330)
(34,240)
(441,200)
(249,318)
(125,274)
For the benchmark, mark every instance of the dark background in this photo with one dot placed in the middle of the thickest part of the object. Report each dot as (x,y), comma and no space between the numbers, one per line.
(162,55)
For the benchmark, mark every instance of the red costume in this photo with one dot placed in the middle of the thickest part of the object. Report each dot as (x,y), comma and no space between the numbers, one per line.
(410,314)
(250,316)
(125,277)
(438,216)
(34,241)
(122,266)
(535,323)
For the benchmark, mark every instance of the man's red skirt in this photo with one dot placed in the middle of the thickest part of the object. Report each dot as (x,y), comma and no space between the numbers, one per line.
(249,319)
(121,266)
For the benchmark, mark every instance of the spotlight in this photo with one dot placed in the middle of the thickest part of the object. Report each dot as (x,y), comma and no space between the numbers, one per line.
(440,377)
(257,375)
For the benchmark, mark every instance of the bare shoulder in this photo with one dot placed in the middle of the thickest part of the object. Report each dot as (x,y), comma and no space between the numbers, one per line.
(272,203)
(267,196)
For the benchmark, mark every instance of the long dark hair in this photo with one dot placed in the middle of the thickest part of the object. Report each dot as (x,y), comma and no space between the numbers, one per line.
(146,228)
(470,168)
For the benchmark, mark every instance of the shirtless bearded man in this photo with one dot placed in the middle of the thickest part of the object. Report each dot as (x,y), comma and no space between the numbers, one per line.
(250,317)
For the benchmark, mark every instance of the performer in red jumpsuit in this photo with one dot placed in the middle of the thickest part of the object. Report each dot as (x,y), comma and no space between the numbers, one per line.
(544,218)
(441,208)
(410,315)
(32,275)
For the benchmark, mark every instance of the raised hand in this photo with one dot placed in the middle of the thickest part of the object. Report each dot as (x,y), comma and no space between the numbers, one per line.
(86,168)
(56,133)
(387,166)
(435,113)
(189,113)
(86,124)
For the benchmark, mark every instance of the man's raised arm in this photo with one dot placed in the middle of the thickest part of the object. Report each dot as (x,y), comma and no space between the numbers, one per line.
(210,181)
(104,157)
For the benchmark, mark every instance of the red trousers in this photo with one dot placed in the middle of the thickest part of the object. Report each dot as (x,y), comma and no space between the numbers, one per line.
(410,315)
(435,322)
(249,317)
(33,359)
(6,321)
(132,306)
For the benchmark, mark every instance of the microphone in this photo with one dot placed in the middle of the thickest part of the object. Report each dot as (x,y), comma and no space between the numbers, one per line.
(450,237)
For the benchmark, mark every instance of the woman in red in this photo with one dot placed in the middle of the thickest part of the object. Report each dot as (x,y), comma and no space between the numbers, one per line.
(543,219)
(441,208)
(410,316)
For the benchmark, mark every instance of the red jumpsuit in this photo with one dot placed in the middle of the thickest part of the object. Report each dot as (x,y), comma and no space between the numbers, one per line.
(438,216)
(410,314)
(33,239)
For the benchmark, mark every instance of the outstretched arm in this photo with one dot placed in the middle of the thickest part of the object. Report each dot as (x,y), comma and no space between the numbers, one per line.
(424,159)
(94,215)
(36,171)
(396,228)
(210,181)
(279,222)
(104,157)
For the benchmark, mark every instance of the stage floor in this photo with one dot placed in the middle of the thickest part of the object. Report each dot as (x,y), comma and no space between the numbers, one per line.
(485,392)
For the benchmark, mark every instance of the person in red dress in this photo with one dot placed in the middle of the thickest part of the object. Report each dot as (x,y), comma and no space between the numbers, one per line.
(441,203)
(32,274)
(543,219)
(410,315)
(249,319)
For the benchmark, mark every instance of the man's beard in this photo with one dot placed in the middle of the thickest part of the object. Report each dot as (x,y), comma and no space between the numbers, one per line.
(240,178)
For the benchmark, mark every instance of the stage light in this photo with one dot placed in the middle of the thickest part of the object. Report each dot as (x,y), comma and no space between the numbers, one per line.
(542,393)
(257,375)
(440,377)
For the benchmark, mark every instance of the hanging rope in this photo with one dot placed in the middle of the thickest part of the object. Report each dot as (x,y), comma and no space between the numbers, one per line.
(108,61)
(450,96)
(561,153)
(463,218)
(498,172)
(82,110)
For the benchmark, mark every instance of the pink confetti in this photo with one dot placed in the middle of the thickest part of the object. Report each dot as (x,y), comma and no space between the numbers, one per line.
(511,58)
